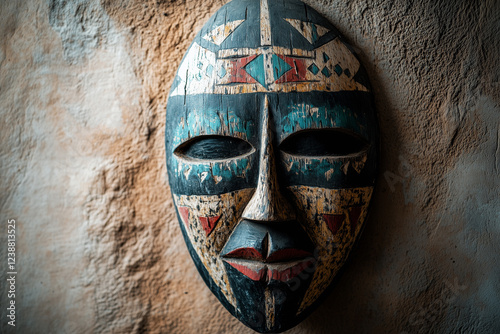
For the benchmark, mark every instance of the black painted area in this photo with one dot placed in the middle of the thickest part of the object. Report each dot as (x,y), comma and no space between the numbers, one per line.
(250,296)
(247,235)
(203,272)
(323,142)
(213,148)
(288,235)
(283,34)
(248,33)
(269,238)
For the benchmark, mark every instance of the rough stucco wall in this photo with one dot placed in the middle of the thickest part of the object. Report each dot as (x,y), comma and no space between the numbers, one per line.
(83,87)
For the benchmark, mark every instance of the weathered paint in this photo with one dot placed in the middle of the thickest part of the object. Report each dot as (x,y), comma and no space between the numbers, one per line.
(268,202)
(334,221)
(220,33)
(208,246)
(305,116)
(209,223)
(193,77)
(265,24)
(268,226)
(333,248)
(312,32)
(212,122)
(204,171)
(270,308)
(255,69)
(330,167)
(269,272)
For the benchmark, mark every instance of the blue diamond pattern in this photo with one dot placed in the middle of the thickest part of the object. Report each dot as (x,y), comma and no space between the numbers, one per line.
(314,33)
(209,70)
(222,72)
(280,67)
(256,70)
(325,57)
(338,69)
(313,68)
(326,72)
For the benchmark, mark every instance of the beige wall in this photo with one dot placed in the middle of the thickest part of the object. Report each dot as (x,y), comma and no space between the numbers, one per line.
(83,88)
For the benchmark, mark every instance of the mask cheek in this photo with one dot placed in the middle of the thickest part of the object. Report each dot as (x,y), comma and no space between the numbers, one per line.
(333,218)
(208,220)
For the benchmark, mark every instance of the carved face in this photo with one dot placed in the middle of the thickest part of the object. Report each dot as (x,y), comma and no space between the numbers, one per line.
(271,152)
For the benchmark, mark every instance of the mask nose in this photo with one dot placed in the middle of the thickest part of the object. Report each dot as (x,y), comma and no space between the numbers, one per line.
(268,203)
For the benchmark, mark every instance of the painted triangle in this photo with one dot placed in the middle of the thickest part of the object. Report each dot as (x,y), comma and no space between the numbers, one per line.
(280,67)
(295,71)
(238,73)
(220,33)
(354,214)
(209,223)
(184,213)
(256,70)
(254,275)
(334,222)
(312,32)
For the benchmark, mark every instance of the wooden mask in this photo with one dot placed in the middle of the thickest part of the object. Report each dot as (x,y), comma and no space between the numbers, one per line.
(271,145)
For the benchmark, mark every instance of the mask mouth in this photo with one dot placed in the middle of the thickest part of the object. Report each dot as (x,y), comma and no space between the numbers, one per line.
(267,272)
(265,251)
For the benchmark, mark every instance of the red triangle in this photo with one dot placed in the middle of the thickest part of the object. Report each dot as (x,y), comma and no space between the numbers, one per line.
(184,213)
(209,223)
(255,274)
(238,73)
(354,214)
(296,73)
(334,221)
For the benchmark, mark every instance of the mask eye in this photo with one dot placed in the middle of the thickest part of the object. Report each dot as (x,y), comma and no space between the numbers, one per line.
(324,142)
(213,148)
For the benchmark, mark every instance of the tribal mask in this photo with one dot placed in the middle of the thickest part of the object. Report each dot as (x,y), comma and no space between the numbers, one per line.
(271,146)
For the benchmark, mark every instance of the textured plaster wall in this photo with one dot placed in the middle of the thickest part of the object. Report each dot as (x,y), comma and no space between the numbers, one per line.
(83,88)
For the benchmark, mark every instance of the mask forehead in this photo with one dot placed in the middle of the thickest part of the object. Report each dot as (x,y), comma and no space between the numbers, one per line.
(237,53)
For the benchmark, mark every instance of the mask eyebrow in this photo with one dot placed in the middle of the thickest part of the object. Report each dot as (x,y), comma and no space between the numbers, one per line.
(307,116)
(206,122)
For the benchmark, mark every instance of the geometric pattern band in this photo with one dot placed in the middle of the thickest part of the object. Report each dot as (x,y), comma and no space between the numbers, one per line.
(330,68)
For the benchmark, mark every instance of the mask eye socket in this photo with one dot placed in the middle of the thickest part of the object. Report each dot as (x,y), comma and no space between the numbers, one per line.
(213,147)
(324,143)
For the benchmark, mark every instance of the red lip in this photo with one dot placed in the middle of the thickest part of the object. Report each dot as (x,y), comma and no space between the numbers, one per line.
(281,255)
(281,265)
(260,271)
